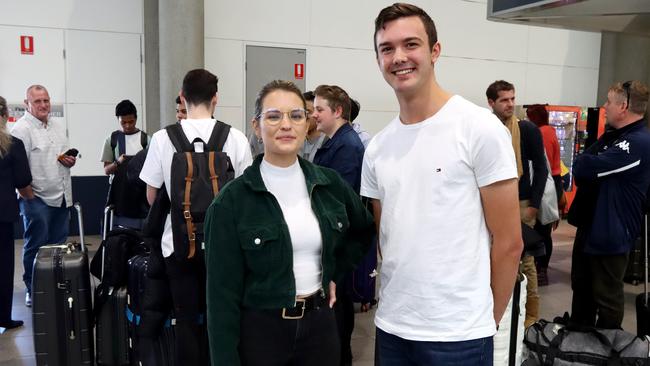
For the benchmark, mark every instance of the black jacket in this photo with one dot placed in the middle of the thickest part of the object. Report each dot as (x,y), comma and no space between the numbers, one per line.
(14,173)
(532,155)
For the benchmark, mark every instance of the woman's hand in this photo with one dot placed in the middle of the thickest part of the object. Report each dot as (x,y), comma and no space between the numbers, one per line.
(332,294)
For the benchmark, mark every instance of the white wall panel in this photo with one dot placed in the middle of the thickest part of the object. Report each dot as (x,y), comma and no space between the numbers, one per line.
(470,77)
(550,46)
(284,21)
(114,15)
(103,67)
(89,125)
(561,85)
(234,116)
(356,71)
(226,60)
(45,66)
(463,31)
(344,24)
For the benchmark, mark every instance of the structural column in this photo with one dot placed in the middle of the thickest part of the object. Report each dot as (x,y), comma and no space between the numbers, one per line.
(151,66)
(181,48)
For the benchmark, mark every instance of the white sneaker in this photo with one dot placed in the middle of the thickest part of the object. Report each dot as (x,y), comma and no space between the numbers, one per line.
(28,300)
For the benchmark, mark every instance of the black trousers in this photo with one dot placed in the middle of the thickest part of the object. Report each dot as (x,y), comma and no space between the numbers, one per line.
(344,310)
(545,231)
(187,282)
(7,257)
(269,340)
(597,284)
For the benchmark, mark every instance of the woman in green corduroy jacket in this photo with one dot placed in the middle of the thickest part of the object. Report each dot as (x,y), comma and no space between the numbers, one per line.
(277,240)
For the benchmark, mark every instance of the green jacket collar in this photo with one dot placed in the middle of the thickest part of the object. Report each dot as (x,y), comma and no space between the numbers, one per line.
(313,176)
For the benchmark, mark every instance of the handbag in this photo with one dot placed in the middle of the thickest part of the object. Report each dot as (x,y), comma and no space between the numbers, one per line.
(548,208)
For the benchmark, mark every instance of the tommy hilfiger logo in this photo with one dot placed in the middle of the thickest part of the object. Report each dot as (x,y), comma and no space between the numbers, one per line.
(624,145)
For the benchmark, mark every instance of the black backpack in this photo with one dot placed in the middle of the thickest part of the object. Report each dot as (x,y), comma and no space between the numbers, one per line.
(196,178)
(129,199)
(118,139)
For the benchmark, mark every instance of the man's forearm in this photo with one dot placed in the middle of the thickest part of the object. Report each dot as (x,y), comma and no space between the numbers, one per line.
(504,264)
(152,192)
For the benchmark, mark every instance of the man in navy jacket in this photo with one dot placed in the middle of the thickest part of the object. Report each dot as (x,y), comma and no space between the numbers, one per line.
(343,151)
(613,176)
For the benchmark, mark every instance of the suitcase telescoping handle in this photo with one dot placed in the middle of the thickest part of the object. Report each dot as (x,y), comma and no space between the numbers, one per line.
(108,225)
(80,219)
(108,220)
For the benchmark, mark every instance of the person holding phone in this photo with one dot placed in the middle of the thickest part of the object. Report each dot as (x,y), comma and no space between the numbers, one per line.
(129,200)
(44,203)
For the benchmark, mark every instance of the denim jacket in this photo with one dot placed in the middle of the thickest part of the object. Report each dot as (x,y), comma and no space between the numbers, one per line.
(249,255)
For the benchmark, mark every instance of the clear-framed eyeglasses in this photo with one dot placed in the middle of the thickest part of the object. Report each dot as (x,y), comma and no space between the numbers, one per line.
(273,117)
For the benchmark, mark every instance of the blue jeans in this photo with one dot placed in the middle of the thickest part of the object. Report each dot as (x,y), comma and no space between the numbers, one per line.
(396,351)
(43,225)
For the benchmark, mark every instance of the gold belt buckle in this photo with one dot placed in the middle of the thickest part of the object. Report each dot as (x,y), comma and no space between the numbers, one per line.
(284,310)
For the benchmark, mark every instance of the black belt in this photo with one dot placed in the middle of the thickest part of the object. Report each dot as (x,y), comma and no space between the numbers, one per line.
(304,305)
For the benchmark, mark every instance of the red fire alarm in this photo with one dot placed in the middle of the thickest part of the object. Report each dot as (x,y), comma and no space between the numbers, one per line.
(299,71)
(27,45)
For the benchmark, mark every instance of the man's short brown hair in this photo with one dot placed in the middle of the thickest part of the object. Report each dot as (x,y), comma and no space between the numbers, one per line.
(637,92)
(492,92)
(336,97)
(402,10)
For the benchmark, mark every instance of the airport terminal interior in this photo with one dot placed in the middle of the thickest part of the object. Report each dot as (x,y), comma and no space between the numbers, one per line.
(90,55)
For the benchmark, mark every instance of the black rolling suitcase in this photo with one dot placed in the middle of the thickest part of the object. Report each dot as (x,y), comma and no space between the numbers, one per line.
(112,330)
(62,307)
(642,308)
(151,328)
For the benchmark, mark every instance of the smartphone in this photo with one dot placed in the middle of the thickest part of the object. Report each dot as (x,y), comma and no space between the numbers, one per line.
(72,152)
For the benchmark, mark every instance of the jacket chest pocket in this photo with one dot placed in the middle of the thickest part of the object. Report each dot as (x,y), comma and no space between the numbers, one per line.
(262,247)
(337,225)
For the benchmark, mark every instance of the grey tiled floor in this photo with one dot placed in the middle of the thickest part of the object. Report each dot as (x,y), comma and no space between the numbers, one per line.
(16,346)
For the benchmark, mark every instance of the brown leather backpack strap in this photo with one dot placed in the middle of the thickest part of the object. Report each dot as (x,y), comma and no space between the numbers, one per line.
(186,206)
(214,178)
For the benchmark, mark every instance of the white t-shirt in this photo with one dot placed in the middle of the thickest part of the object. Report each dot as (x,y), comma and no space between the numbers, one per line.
(157,167)
(290,189)
(133,144)
(435,275)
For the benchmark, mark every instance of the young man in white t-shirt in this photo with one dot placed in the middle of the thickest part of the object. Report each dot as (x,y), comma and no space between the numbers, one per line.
(442,176)
(187,277)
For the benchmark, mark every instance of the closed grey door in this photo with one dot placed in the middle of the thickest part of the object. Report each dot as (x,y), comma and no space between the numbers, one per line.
(265,64)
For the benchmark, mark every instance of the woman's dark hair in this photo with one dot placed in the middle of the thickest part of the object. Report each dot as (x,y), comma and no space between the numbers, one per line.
(125,108)
(274,85)
(537,114)
(309,96)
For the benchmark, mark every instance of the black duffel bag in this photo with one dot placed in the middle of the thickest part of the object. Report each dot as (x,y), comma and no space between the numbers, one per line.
(557,344)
